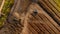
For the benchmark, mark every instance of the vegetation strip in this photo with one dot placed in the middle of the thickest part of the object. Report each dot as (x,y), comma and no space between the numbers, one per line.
(5,11)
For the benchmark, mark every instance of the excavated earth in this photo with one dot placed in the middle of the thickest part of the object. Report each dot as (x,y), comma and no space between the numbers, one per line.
(32,17)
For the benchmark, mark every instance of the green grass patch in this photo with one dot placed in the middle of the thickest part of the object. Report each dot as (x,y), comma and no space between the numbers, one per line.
(6,9)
